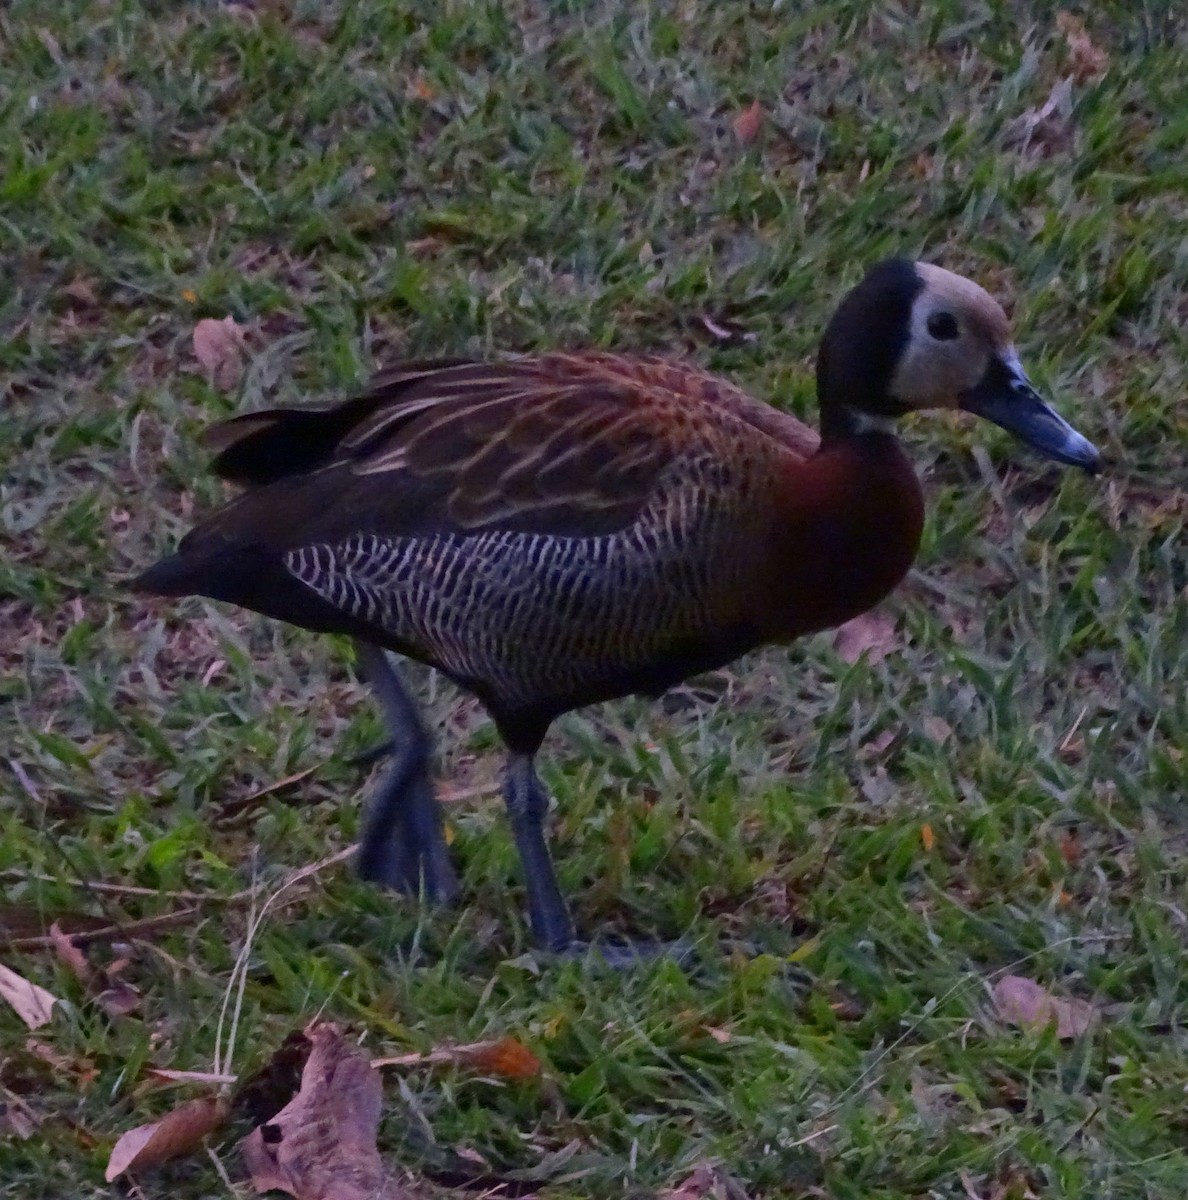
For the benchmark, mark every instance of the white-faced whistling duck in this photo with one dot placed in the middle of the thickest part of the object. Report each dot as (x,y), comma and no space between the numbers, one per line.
(553,530)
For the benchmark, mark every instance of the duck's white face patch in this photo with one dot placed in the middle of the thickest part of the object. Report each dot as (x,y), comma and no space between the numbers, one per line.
(956,328)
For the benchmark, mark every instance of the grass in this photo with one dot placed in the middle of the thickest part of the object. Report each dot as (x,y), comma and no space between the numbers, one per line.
(358,181)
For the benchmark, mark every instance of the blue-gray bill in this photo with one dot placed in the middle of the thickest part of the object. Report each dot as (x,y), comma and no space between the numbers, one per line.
(1006,397)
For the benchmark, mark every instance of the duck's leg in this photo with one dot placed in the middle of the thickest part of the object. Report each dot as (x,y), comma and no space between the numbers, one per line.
(403,844)
(527,805)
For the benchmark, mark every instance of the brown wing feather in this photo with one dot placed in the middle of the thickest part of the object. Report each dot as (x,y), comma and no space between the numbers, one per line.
(562,443)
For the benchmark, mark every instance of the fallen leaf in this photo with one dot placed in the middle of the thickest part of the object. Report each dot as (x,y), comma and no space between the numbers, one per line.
(116,997)
(179,1132)
(119,999)
(70,954)
(937,729)
(927,837)
(236,808)
(17,1118)
(872,634)
(1045,130)
(40,1062)
(52,47)
(923,166)
(707,1181)
(419,88)
(81,294)
(1025,1003)
(33,1004)
(505,1056)
(265,1092)
(877,786)
(726,331)
(321,1145)
(189,295)
(748,123)
(933,1101)
(879,744)
(846,1007)
(1070,847)
(45,1053)
(241,10)
(218,347)
(1086,59)
(425,247)
(168,1075)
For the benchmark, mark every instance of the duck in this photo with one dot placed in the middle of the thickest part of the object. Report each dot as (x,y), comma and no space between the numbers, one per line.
(557,529)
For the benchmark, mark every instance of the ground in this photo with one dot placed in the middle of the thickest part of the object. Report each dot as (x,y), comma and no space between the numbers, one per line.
(883,841)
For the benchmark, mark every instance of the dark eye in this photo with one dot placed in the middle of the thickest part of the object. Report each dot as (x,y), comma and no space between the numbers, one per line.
(943,326)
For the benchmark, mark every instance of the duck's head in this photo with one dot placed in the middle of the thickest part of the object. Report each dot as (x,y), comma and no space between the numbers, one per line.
(911,336)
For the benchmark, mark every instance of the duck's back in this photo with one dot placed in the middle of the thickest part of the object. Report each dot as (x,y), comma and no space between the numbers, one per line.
(548,530)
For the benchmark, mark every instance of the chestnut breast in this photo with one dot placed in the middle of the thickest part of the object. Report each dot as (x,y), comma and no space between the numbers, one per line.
(845,530)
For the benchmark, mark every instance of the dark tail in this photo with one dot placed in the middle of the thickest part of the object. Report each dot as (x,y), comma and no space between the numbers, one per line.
(172,576)
(259,448)
(250,577)
(262,447)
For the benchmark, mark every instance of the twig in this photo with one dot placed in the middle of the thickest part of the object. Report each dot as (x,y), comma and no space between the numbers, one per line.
(107,933)
(239,972)
(110,933)
(122,889)
(811,1137)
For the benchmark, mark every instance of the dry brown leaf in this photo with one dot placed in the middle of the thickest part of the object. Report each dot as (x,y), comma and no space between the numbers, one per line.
(923,166)
(507,1057)
(504,1056)
(33,1004)
(321,1145)
(119,999)
(80,1072)
(81,294)
(17,1118)
(265,1092)
(1045,130)
(872,634)
(70,954)
(937,729)
(879,744)
(168,1075)
(238,806)
(52,46)
(723,330)
(927,837)
(218,347)
(45,1053)
(419,88)
(1071,848)
(1024,1002)
(706,1181)
(116,997)
(425,247)
(1086,59)
(178,1132)
(748,123)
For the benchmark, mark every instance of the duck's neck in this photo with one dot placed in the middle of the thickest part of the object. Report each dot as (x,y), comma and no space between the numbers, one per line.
(840,421)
